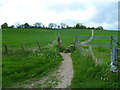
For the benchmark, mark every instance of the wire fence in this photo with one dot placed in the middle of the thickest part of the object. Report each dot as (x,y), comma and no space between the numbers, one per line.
(99,46)
(24,46)
(103,49)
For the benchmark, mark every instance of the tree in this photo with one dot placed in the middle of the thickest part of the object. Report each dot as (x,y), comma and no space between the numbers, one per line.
(17,25)
(78,26)
(67,27)
(26,25)
(99,28)
(88,28)
(20,26)
(38,25)
(43,26)
(92,28)
(62,25)
(55,25)
(82,26)
(4,26)
(52,25)
(58,26)
(12,26)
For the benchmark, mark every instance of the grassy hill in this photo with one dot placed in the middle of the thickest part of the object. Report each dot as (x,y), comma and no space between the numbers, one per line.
(22,65)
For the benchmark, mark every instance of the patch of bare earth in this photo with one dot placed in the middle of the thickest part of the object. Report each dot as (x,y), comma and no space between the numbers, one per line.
(65,71)
(60,78)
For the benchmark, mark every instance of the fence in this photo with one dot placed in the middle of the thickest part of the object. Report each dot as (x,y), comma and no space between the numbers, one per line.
(24,46)
(96,41)
(115,57)
(100,42)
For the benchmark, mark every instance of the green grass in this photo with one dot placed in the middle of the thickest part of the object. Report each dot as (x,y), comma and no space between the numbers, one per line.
(89,75)
(24,66)
(0,58)
(20,66)
(14,37)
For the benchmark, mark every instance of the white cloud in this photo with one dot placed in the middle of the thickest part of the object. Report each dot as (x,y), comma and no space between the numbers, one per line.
(46,11)
(109,26)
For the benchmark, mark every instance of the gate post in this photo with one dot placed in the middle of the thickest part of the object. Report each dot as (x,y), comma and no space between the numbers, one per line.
(111,40)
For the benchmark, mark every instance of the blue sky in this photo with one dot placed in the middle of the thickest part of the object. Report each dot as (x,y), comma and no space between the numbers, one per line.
(90,13)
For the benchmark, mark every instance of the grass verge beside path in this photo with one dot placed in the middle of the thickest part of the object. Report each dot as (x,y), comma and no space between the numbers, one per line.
(89,75)
(20,67)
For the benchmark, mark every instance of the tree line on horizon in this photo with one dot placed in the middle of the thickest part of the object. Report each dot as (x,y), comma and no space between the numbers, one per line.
(50,26)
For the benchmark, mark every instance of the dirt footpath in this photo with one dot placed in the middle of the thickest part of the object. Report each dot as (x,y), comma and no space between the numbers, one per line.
(60,78)
(86,41)
(65,71)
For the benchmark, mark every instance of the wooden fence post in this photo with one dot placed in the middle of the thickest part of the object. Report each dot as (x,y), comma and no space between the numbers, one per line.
(91,51)
(6,49)
(74,45)
(58,41)
(23,47)
(118,61)
(38,45)
(111,40)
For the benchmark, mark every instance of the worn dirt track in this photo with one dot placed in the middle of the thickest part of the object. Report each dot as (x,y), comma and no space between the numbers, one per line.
(65,71)
(86,41)
(63,74)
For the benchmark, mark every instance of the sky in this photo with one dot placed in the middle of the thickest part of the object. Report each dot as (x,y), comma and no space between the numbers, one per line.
(91,13)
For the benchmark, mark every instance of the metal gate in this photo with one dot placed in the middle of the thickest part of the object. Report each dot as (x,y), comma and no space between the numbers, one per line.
(99,41)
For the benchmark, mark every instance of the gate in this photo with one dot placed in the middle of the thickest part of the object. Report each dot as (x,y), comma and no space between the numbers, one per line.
(115,57)
(99,41)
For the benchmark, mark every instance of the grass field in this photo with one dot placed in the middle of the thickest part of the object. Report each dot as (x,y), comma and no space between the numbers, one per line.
(89,75)
(21,66)
(14,37)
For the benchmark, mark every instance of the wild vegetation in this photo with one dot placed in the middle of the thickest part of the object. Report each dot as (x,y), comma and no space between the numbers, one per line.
(50,26)
(88,74)
(19,66)
(95,72)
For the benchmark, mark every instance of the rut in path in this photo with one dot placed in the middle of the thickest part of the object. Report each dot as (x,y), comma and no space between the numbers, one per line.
(65,71)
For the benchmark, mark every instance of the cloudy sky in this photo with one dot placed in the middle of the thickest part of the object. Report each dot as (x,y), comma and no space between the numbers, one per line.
(88,12)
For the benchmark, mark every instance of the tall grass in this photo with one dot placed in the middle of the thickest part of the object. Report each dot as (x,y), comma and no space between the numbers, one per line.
(87,74)
(24,66)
